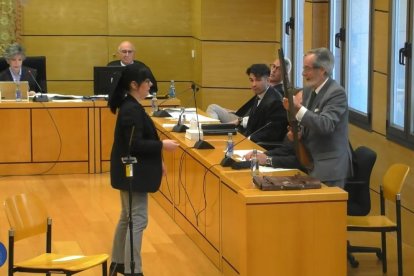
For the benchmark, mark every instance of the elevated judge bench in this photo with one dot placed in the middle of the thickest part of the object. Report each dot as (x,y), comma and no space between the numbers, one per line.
(242,230)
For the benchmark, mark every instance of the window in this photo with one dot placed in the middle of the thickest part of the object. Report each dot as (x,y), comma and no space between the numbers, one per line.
(400,123)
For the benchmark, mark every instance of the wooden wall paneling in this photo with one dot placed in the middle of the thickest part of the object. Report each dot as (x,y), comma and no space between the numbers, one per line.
(229,98)
(196,14)
(382,5)
(15,135)
(239,20)
(380,42)
(84,88)
(149,17)
(224,64)
(316,25)
(168,57)
(60,134)
(75,17)
(379,101)
(69,57)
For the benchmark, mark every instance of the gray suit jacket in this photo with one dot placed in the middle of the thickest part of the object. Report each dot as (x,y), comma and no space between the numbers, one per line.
(325,132)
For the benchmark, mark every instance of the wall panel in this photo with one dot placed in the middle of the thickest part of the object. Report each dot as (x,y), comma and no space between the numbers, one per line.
(224,64)
(75,17)
(380,41)
(379,101)
(69,57)
(240,20)
(149,17)
(168,57)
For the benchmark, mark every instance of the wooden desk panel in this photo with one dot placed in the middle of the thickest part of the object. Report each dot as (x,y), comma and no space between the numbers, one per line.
(260,233)
(60,134)
(15,144)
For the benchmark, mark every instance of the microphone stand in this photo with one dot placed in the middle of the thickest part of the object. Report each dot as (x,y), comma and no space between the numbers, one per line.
(179,127)
(200,144)
(38,98)
(129,162)
(229,161)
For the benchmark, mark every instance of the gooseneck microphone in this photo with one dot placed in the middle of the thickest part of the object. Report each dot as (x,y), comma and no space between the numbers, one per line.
(179,127)
(38,98)
(228,161)
(200,144)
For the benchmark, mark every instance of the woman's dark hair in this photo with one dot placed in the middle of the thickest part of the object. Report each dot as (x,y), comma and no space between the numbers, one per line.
(132,72)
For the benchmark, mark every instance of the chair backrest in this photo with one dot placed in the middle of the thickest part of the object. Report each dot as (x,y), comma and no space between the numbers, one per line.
(359,198)
(393,180)
(26,214)
(35,62)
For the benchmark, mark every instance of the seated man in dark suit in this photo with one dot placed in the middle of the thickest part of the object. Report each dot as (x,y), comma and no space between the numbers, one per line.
(265,107)
(229,116)
(126,54)
(14,55)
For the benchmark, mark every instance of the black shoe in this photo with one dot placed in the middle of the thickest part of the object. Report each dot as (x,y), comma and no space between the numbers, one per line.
(115,268)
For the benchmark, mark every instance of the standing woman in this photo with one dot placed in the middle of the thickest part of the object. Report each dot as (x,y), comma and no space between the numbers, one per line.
(135,135)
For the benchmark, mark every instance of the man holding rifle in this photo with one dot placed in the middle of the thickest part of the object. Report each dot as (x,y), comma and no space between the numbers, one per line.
(324,119)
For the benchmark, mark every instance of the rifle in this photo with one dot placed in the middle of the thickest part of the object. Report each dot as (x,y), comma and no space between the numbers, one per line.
(301,151)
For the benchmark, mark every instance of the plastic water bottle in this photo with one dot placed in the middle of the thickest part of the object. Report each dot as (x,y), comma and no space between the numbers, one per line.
(18,93)
(254,164)
(171,91)
(154,103)
(230,145)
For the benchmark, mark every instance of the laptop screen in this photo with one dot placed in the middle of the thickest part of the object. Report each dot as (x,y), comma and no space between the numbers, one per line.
(8,90)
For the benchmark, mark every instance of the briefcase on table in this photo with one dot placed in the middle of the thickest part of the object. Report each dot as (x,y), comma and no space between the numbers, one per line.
(290,182)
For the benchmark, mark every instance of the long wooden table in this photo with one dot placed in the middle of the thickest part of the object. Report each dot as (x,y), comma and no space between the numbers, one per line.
(57,137)
(245,231)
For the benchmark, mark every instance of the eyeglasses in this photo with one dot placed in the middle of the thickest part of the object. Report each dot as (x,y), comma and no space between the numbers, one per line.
(274,66)
(308,68)
(126,51)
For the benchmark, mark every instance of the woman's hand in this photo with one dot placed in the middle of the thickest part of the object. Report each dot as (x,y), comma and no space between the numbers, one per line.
(169,145)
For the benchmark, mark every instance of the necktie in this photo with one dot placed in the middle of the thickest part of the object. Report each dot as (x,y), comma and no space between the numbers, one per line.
(254,106)
(313,95)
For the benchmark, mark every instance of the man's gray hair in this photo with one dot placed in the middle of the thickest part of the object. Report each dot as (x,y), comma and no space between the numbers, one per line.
(13,50)
(324,59)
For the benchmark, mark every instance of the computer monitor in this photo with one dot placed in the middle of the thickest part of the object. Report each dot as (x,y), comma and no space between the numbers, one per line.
(105,79)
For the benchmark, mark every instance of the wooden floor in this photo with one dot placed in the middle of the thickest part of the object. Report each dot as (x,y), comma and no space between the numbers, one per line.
(85,210)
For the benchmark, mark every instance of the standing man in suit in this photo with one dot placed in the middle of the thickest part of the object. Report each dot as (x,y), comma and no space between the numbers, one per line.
(324,119)
(15,55)
(126,54)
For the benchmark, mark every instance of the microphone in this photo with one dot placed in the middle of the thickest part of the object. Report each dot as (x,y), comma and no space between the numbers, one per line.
(228,161)
(179,127)
(41,97)
(200,144)
(163,113)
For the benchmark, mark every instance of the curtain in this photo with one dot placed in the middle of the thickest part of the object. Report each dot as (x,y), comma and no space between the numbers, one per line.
(10,22)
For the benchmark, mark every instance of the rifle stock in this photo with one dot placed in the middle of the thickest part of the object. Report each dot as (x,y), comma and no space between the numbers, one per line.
(301,151)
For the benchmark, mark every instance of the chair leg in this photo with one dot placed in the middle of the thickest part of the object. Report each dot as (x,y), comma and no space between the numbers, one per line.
(384,252)
(104,269)
(399,253)
(351,259)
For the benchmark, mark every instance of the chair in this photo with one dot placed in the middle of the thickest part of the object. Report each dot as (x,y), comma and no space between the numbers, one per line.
(35,62)
(359,198)
(27,218)
(390,189)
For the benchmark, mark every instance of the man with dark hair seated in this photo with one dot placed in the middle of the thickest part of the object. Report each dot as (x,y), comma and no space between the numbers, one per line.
(264,110)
